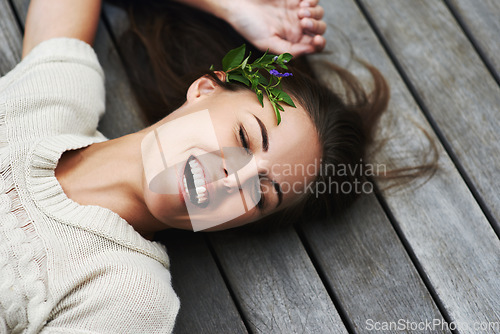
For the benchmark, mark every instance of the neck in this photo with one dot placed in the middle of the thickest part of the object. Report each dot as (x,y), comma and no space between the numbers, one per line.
(109,174)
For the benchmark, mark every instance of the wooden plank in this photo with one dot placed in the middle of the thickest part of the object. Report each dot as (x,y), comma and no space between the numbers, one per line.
(206,306)
(482,20)
(275,282)
(446,231)
(116,17)
(359,253)
(123,115)
(366,265)
(271,300)
(453,83)
(10,39)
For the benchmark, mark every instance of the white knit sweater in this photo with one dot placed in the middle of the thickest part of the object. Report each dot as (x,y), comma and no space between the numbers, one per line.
(67,268)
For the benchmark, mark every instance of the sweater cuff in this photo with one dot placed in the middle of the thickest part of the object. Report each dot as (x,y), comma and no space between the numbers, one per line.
(63,49)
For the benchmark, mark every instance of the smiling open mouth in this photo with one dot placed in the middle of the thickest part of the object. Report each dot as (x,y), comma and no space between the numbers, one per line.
(195,184)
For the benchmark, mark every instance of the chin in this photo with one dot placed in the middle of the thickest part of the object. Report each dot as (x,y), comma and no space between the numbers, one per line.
(168,209)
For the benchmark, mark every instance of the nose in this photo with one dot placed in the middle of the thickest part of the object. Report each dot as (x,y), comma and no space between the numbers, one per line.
(242,170)
(236,178)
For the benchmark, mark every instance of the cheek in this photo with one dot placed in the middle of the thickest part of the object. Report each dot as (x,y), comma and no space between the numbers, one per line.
(294,190)
(221,213)
(244,219)
(226,125)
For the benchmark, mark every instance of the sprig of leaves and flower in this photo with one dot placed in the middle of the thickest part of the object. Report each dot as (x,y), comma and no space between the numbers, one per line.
(237,68)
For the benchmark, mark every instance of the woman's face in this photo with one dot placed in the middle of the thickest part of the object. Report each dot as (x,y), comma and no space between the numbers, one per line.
(220,161)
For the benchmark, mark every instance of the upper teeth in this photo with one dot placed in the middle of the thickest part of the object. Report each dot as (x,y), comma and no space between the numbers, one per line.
(199,181)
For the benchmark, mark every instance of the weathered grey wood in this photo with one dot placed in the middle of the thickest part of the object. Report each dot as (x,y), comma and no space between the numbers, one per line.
(10,37)
(275,283)
(116,17)
(362,258)
(444,227)
(123,115)
(454,84)
(206,306)
(122,112)
(368,268)
(482,19)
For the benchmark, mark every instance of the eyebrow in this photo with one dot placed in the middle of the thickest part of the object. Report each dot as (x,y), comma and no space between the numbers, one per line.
(263,131)
(265,147)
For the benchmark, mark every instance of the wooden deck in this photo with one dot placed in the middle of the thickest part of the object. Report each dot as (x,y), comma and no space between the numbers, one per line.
(416,255)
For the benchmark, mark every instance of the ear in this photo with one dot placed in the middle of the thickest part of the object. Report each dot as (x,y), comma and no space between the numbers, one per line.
(204,86)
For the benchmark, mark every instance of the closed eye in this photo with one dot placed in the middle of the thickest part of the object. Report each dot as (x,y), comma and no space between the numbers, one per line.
(245,143)
(244,139)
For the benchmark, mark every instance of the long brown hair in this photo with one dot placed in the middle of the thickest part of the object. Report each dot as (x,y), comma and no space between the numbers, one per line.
(169,45)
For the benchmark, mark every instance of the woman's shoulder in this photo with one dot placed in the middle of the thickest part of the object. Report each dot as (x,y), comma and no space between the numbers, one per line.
(62,49)
(57,88)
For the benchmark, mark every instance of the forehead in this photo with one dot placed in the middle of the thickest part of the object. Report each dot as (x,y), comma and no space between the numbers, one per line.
(294,151)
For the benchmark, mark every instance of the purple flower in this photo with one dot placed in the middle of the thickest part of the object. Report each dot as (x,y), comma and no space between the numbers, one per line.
(280,75)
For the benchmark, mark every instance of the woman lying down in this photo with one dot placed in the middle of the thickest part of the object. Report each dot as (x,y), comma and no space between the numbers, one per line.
(79,211)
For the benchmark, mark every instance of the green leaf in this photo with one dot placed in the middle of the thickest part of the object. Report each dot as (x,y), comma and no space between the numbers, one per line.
(261,58)
(279,107)
(255,83)
(233,58)
(238,77)
(256,66)
(283,66)
(286,57)
(286,98)
(212,67)
(260,96)
(272,80)
(244,64)
(277,112)
(267,59)
(263,81)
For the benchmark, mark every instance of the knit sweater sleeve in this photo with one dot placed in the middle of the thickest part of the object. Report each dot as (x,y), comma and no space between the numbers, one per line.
(119,297)
(57,88)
